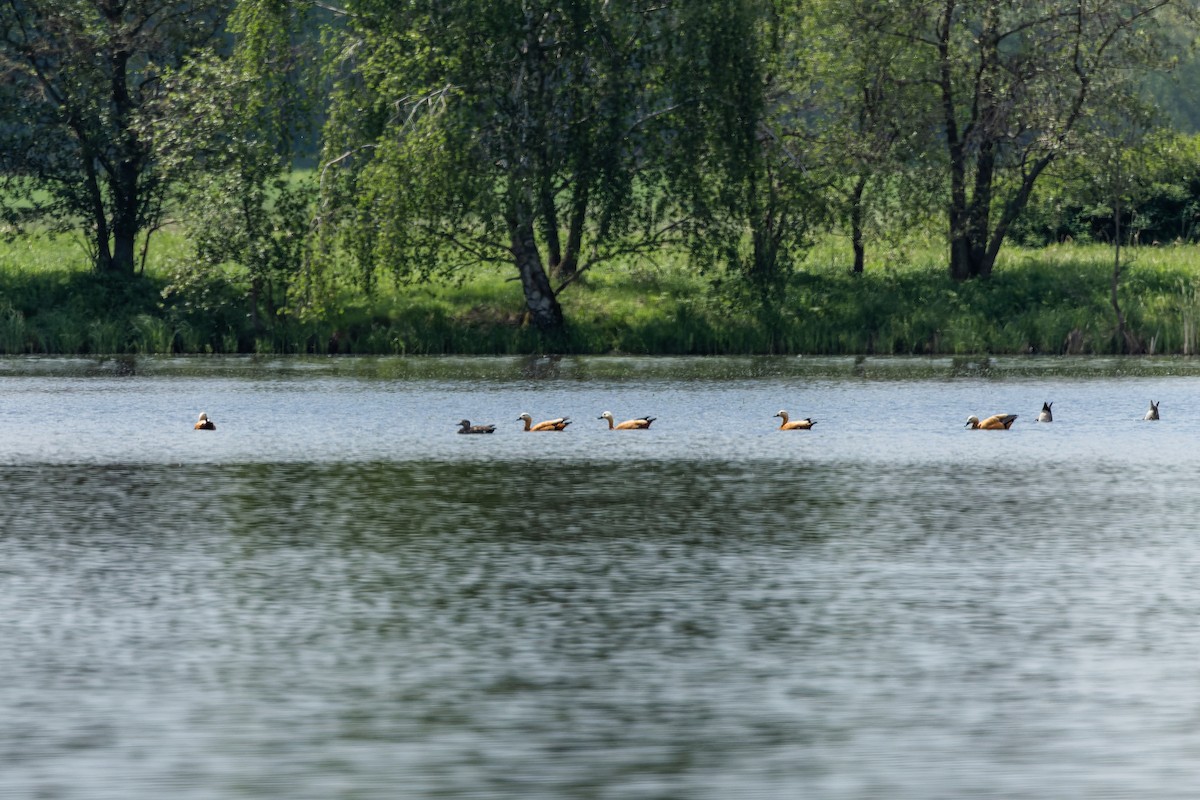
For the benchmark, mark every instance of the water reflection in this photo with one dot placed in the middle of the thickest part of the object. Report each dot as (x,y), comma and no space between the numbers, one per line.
(541,628)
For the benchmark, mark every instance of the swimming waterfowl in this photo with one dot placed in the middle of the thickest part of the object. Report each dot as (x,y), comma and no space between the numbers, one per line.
(1046,416)
(636,424)
(467,427)
(1153,412)
(798,425)
(996,422)
(204,423)
(548,425)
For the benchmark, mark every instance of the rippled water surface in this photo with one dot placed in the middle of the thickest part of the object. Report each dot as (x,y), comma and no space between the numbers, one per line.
(335,596)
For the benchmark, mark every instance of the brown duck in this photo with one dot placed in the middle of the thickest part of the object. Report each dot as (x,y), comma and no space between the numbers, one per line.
(548,425)
(637,424)
(467,427)
(204,423)
(799,425)
(996,422)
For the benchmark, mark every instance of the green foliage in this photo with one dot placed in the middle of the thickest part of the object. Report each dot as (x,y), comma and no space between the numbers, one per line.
(248,216)
(1012,86)
(477,132)
(567,144)
(1164,208)
(80,83)
(868,114)
(732,159)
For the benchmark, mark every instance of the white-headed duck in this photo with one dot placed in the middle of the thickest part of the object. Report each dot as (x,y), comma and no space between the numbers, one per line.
(548,425)
(636,424)
(799,425)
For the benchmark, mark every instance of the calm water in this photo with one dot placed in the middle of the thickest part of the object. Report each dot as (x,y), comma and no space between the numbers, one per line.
(335,596)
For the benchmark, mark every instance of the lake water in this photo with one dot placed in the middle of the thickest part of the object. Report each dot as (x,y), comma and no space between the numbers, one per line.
(336,596)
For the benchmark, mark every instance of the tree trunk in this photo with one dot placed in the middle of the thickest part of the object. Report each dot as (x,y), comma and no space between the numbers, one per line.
(99,216)
(125,230)
(960,248)
(579,205)
(979,214)
(543,306)
(960,244)
(1125,342)
(763,269)
(123,180)
(970,221)
(970,254)
(549,226)
(856,223)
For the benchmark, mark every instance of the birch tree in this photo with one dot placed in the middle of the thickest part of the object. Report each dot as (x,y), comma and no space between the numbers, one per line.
(492,131)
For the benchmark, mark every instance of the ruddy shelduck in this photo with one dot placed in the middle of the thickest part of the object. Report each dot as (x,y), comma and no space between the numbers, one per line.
(799,425)
(1046,416)
(204,423)
(636,424)
(548,425)
(467,427)
(1153,412)
(996,422)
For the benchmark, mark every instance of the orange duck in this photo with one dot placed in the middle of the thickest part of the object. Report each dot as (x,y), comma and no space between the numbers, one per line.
(548,425)
(637,424)
(799,425)
(996,422)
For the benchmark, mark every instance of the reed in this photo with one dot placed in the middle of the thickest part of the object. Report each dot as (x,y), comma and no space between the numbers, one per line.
(152,335)
(13,334)
(107,338)
(59,332)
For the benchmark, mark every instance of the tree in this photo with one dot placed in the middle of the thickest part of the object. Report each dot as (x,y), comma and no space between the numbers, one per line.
(1116,174)
(734,163)
(870,122)
(229,124)
(78,80)
(502,131)
(1014,83)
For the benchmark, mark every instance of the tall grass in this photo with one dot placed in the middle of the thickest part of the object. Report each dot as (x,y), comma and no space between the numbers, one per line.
(152,335)
(13,335)
(1049,300)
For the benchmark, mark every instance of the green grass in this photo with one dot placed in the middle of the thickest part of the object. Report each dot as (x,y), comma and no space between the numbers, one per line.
(1037,301)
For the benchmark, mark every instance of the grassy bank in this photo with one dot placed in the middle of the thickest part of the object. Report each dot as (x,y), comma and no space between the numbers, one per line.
(1042,301)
